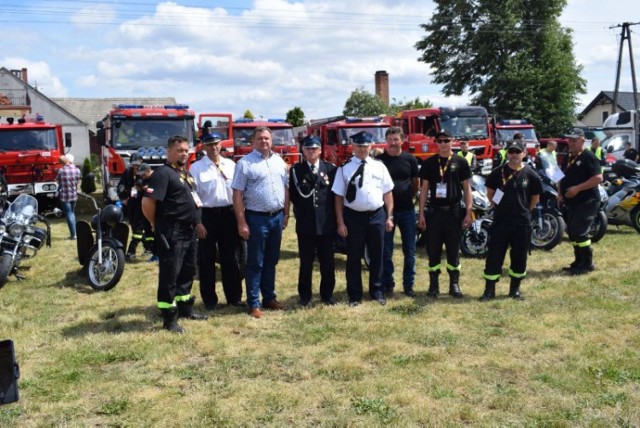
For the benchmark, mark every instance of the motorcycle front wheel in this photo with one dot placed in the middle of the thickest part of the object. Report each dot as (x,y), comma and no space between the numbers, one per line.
(6,264)
(104,276)
(547,236)
(598,227)
(635,218)
(475,243)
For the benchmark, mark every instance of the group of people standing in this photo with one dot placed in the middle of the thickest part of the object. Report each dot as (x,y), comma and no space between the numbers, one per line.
(197,217)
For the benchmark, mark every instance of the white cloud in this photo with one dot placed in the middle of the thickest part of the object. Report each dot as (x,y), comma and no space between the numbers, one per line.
(89,17)
(39,75)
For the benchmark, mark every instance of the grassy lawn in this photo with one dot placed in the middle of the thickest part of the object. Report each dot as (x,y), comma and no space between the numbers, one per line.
(568,355)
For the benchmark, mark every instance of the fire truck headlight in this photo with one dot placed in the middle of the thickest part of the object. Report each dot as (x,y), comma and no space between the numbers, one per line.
(161,151)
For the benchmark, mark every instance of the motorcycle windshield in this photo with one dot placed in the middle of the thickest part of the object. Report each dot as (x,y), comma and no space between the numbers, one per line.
(23,208)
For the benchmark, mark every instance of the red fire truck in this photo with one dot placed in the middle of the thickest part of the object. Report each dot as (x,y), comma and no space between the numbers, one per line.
(145,130)
(505,129)
(220,123)
(30,150)
(284,141)
(468,123)
(335,134)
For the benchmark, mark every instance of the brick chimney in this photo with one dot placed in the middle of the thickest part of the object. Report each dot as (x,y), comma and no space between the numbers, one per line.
(25,79)
(382,86)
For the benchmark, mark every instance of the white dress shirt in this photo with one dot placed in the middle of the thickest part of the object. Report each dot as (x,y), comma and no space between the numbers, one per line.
(375,183)
(214,182)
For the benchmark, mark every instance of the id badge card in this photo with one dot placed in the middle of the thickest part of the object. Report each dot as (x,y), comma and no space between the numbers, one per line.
(134,192)
(497,196)
(196,199)
(441,190)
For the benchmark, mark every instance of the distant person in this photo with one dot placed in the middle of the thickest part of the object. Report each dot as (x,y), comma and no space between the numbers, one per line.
(130,196)
(172,207)
(364,211)
(261,205)
(598,151)
(548,156)
(403,168)
(629,152)
(218,231)
(68,178)
(468,155)
(313,203)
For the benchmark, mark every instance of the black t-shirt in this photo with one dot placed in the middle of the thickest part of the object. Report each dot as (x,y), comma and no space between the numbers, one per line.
(630,154)
(518,188)
(172,191)
(577,170)
(403,169)
(456,170)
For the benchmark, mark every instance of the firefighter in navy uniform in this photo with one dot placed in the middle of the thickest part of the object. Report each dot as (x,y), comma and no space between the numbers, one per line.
(514,190)
(129,193)
(445,179)
(578,191)
(313,202)
(172,207)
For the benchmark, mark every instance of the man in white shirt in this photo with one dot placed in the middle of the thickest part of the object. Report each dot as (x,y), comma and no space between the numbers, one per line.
(218,230)
(364,211)
(548,157)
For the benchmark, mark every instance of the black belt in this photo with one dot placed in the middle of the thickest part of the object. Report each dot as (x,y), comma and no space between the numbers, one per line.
(217,210)
(445,207)
(264,213)
(370,213)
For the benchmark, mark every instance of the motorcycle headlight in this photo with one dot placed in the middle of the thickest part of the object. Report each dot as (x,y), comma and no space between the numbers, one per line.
(16,230)
(2,229)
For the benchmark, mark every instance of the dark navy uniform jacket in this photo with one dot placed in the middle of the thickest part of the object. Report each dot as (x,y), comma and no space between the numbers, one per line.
(312,198)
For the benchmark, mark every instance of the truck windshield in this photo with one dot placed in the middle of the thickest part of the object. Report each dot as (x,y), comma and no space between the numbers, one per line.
(376,131)
(465,127)
(279,136)
(134,133)
(507,134)
(27,139)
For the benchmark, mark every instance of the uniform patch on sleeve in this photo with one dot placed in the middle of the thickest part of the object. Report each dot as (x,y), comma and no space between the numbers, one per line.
(149,190)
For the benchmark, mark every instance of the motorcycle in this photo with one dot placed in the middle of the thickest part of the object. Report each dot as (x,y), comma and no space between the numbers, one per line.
(102,257)
(476,237)
(547,226)
(20,236)
(600,223)
(623,207)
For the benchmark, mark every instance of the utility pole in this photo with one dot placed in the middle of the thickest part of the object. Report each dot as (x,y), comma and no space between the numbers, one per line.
(625,35)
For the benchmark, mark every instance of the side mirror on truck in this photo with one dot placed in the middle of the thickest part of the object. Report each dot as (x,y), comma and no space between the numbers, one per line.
(67,139)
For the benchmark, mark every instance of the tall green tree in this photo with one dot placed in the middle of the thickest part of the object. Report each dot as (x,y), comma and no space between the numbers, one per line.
(363,103)
(402,105)
(295,116)
(248,115)
(513,57)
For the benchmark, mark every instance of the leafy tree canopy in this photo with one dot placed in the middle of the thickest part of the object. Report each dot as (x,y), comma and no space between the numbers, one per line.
(402,105)
(512,57)
(295,116)
(363,103)
(248,115)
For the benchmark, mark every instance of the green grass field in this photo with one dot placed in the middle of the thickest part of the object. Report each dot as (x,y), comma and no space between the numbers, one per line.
(568,355)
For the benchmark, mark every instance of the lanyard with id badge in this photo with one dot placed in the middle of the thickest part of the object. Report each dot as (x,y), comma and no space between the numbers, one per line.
(441,187)
(499,194)
(186,178)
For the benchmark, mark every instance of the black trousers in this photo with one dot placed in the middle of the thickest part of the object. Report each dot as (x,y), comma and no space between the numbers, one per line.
(579,219)
(444,226)
(308,247)
(221,241)
(177,262)
(501,237)
(140,226)
(364,228)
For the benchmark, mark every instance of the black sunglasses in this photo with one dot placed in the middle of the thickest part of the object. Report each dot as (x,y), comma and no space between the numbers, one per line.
(512,151)
(443,141)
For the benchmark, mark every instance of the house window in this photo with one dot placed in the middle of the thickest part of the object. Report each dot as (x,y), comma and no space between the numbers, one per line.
(605,115)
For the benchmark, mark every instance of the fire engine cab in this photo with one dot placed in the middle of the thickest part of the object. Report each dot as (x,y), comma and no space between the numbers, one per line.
(283,138)
(220,123)
(144,130)
(335,134)
(30,150)
(468,123)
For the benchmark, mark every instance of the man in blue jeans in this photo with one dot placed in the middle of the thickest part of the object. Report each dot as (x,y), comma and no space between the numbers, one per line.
(403,169)
(68,179)
(261,205)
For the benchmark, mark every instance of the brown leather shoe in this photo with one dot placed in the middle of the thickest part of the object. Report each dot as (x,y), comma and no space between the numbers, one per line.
(255,312)
(275,305)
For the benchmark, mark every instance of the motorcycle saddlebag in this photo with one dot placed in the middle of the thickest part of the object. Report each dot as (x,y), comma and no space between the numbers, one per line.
(625,168)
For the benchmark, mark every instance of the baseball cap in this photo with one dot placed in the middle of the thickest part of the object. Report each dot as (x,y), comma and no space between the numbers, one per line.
(576,133)
(144,167)
(446,134)
(515,145)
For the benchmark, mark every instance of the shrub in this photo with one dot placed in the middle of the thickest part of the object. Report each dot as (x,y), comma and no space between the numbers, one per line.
(88,184)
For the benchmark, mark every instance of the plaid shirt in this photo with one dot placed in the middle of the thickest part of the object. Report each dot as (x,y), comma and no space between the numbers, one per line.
(68,178)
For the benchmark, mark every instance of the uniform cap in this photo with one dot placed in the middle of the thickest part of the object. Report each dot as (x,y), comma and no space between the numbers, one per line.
(446,134)
(576,133)
(362,138)
(212,138)
(516,145)
(310,141)
(144,167)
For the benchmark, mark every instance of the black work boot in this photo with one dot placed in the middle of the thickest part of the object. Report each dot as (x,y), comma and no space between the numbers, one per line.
(576,262)
(586,261)
(170,320)
(434,286)
(185,310)
(454,284)
(131,251)
(489,291)
(514,289)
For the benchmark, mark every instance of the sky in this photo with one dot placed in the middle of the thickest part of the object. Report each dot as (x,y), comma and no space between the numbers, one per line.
(266,56)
